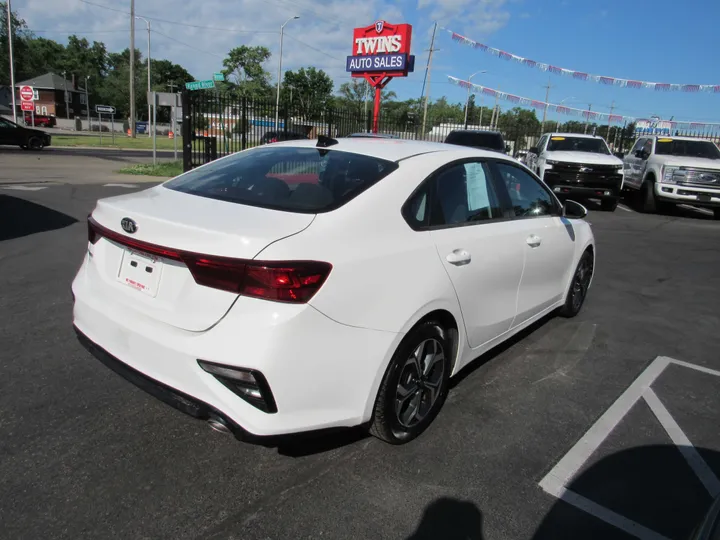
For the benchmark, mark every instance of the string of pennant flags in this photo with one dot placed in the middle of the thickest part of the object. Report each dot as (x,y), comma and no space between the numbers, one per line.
(580,75)
(562,109)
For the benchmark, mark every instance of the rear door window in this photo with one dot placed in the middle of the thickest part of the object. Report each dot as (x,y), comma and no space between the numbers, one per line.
(307,180)
(491,141)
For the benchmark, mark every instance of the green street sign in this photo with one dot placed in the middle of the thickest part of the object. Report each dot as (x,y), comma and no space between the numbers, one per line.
(218,77)
(199,85)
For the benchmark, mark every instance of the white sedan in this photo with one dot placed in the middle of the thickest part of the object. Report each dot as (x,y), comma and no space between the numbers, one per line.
(317,284)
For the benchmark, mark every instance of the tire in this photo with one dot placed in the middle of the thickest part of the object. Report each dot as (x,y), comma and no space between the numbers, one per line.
(649,204)
(398,418)
(578,286)
(35,143)
(716,213)
(608,205)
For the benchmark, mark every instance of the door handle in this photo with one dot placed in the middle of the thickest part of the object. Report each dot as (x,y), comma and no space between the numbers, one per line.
(533,240)
(459,257)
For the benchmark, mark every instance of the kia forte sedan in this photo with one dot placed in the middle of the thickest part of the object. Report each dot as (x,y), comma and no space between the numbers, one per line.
(316,284)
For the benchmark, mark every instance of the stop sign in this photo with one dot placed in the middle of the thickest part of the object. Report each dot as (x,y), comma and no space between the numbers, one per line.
(26,93)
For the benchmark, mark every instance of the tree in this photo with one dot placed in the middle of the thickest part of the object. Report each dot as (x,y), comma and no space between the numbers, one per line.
(21,36)
(82,59)
(307,91)
(354,95)
(244,71)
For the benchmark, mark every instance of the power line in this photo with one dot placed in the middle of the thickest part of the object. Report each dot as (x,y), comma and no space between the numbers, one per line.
(188,46)
(314,48)
(70,32)
(182,23)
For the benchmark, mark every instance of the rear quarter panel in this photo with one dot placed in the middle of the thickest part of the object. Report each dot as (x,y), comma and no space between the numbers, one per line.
(385,275)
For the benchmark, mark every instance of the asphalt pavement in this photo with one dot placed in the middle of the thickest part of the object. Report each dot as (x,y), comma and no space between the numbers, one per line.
(87,455)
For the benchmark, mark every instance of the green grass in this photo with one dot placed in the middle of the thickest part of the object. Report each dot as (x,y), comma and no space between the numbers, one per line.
(169,169)
(142,142)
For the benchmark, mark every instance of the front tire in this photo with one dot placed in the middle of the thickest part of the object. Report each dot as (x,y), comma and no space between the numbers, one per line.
(579,286)
(415,385)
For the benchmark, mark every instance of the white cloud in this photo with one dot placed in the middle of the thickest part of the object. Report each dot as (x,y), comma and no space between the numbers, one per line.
(325,27)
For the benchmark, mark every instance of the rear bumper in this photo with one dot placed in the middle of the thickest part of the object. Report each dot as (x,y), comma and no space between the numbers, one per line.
(322,374)
(684,194)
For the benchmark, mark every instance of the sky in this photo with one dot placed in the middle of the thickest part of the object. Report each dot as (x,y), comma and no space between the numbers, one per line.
(662,41)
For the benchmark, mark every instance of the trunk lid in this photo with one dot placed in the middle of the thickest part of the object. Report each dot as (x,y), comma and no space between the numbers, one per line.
(163,288)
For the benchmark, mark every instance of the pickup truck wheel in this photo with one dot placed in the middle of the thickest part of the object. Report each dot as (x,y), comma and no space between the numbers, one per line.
(608,205)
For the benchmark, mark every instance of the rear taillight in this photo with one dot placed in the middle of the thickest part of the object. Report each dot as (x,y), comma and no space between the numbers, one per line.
(280,281)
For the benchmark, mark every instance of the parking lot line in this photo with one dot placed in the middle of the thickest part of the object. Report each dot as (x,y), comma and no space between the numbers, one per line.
(25,188)
(554,483)
(621,207)
(705,211)
(703,472)
(121,185)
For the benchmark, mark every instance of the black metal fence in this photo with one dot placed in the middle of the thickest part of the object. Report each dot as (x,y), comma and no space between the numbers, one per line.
(217,124)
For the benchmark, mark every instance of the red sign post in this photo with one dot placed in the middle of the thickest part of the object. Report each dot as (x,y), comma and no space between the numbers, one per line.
(380,52)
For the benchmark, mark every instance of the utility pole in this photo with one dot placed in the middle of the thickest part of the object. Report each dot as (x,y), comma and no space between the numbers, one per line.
(428,70)
(547,96)
(149,87)
(612,108)
(12,64)
(496,112)
(67,106)
(132,69)
(587,119)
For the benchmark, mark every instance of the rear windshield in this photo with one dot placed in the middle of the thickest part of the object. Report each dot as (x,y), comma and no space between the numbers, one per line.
(306,180)
(577,144)
(491,141)
(679,147)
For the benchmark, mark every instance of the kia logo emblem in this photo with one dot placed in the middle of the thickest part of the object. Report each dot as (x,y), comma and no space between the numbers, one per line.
(128,225)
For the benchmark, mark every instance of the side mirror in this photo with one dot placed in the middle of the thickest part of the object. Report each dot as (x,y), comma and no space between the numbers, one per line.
(533,150)
(574,210)
(641,154)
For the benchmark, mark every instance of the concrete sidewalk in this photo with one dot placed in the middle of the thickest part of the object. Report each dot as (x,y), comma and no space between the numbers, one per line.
(21,167)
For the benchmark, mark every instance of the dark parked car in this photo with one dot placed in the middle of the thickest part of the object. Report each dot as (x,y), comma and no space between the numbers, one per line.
(274,136)
(26,138)
(487,140)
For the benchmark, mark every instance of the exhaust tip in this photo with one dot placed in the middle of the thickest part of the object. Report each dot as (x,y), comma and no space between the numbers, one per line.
(217,424)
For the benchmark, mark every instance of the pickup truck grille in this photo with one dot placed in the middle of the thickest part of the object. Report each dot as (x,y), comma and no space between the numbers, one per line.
(579,173)
(702,177)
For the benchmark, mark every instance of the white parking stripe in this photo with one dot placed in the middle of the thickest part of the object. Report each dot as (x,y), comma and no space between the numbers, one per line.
(121,185)
(555,482)
(703,472)
(705,211)
(566,468)
(25,188)
(621,207)
(608,516)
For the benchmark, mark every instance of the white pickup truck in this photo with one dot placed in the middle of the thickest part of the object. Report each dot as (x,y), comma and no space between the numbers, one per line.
(579,167)
(674,170)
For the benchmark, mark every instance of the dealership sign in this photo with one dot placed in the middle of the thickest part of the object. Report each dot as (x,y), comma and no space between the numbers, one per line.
(381,48)
(654,126)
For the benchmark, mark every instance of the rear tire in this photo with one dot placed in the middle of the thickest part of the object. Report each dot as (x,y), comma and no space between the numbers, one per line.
(608,205)
(415,385)
(35,143)
(578,286)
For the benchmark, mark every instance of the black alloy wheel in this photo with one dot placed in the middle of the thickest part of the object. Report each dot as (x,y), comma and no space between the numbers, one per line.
(579,286)
(415,385)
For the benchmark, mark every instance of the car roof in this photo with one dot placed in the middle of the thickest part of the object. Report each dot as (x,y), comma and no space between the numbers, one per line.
(477,131)
(672,137)
(374,135)
(577,135)
(388,149)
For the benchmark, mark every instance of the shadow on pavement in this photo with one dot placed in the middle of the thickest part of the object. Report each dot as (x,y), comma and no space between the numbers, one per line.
(450,519)
(651,485)
(19,217)
(318,442)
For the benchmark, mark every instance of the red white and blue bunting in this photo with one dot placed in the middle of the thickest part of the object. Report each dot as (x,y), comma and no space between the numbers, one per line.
(582,76)
(570,111)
